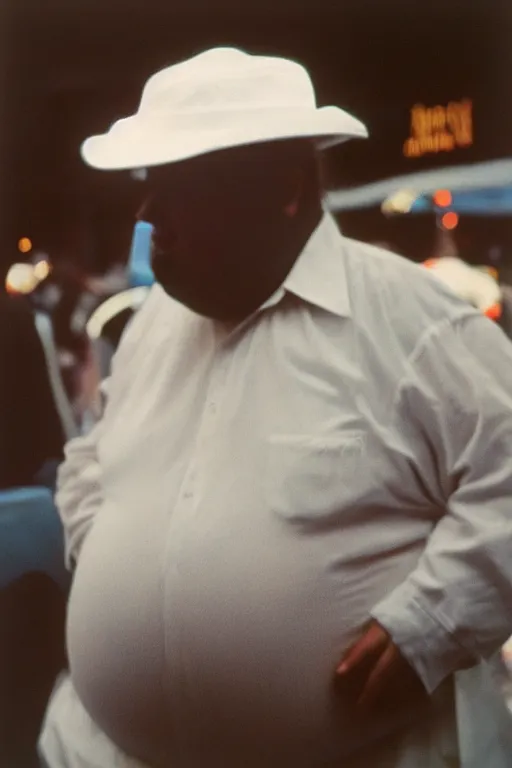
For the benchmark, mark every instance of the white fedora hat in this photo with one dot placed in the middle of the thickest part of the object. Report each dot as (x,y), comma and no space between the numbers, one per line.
(219,99)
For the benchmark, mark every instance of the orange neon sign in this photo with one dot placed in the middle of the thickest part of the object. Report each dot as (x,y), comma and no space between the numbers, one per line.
(440,129)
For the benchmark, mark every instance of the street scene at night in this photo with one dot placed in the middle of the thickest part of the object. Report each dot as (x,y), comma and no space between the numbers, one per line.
(256,384)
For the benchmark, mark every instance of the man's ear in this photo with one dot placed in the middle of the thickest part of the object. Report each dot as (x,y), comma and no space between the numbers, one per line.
(297,188)
(292,208)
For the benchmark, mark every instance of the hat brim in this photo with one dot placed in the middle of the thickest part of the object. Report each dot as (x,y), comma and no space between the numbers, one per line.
(134,143)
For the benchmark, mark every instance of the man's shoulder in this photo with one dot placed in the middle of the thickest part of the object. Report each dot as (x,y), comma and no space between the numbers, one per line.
(159,320)
(370,265)
(389,291)
(158,311)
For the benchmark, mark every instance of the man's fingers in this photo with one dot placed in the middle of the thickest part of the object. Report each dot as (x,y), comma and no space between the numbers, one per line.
(377,680)
(374,674)
(371,644)
(356,655)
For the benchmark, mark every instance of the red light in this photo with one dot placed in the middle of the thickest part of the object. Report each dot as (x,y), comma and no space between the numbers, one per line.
(443,198)
(450,220)
(494,312)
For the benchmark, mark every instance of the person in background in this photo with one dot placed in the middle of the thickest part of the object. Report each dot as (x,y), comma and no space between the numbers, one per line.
(32,604)
(31,433)
(477,285)
(293,523)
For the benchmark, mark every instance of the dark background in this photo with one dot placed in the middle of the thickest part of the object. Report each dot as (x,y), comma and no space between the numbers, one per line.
(70,69)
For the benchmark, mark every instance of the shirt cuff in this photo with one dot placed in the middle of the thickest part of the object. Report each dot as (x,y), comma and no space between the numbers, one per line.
(424,642)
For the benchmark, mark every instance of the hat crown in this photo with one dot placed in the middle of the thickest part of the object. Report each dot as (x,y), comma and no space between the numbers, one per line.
(227,78)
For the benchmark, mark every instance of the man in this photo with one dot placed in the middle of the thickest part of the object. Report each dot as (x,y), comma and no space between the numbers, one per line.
(30,430)
(293,523)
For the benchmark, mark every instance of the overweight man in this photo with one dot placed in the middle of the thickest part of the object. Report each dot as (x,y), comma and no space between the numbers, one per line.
(293,524)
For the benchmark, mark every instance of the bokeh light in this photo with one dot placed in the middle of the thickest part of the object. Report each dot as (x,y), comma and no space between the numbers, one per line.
(42,269)
(21,279)
(399,202)
(450,220)
(25,245)
(443,198)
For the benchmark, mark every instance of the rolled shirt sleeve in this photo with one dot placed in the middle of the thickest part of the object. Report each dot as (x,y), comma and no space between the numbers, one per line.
(456,607)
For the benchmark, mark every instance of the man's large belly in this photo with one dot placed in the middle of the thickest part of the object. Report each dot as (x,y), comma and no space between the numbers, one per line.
(215,645)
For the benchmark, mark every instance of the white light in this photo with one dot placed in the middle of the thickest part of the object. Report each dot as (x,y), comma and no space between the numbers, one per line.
(21,279)
(41,270)
(399,202)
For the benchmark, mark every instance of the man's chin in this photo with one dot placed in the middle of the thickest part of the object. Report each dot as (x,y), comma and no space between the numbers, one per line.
(201,306)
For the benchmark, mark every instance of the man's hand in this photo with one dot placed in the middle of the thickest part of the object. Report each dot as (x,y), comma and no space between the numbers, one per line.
(377,676)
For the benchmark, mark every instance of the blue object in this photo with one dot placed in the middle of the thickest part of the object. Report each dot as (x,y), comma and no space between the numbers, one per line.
(31,536)
(139,264)
(493,201)
(475,178)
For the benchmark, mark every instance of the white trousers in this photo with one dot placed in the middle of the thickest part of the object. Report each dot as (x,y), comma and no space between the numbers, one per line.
(70,739)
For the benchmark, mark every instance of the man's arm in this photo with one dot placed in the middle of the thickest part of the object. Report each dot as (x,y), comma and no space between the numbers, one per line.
(80,494)
(456,607)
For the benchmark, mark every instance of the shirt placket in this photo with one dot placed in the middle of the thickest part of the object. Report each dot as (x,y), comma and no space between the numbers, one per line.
(186,509)
(186,506)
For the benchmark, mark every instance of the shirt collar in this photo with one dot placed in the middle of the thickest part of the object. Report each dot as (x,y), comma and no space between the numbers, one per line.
(319,276)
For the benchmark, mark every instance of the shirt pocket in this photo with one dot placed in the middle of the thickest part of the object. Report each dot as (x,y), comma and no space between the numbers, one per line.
(312,478)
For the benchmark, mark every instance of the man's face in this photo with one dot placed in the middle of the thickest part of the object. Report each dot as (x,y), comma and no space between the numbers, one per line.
(220,224)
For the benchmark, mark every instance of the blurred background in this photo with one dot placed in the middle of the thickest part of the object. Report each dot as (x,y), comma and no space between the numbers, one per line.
(71,69)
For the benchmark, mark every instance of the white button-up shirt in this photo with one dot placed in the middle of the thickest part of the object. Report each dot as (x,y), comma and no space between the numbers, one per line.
(253,495)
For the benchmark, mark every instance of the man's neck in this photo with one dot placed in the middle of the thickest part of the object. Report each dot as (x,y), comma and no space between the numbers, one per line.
(298,238)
